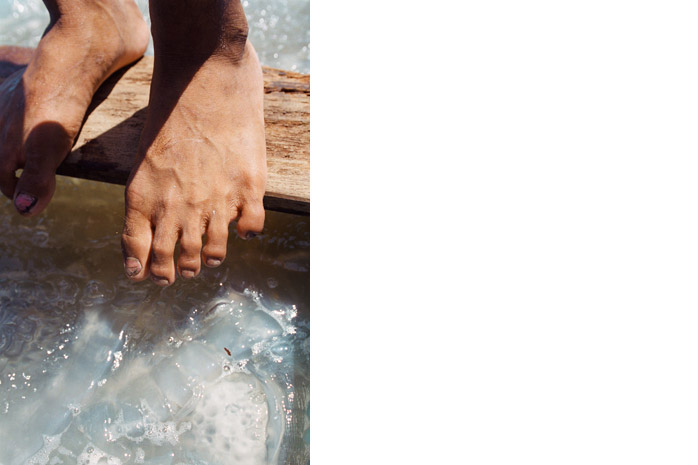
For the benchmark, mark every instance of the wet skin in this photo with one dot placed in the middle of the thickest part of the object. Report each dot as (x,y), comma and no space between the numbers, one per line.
(202,162)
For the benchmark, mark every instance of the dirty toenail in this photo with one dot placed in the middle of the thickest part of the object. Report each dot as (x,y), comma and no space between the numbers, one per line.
(213,262)
(250,235)
(160,281)
(132,266)
(25,202)
(188,274)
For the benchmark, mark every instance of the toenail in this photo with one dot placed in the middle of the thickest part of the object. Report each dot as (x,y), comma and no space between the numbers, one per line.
(25,202)
(160,281)
(250,235)
(132,266)
(213,262)
(188,274)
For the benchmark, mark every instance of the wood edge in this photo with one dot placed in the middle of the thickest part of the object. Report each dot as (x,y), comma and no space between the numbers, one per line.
(280,203)
(272,201)
(107,172)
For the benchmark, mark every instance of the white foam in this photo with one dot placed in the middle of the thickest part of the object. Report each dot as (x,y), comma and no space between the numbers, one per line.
(41,457)
(211,397)
(92,455)
(231,421)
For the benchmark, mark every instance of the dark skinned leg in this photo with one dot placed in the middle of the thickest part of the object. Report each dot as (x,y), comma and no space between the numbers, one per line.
(202,151)
(42,105)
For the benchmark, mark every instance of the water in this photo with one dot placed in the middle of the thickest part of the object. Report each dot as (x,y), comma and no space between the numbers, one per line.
(97,370)
(188,374)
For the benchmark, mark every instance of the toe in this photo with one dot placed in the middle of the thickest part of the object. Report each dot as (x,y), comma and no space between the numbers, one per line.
(216,241)
(45,148)
(34,191)
(189,262)
(135,245)
(162,269)
(251,220)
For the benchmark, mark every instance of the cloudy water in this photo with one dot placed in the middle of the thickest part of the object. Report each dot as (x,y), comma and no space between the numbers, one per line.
(97,370)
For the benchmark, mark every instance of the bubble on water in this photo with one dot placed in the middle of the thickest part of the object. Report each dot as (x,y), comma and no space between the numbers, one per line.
(40,238)
(140,455)
(96,293)
(95,456)
(68,290)
(41,457)
(25,328)
(118,356)
(281,349)
(70,323)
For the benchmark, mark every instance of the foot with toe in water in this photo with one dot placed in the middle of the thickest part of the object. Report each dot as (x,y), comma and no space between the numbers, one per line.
(43,104)
(202,154)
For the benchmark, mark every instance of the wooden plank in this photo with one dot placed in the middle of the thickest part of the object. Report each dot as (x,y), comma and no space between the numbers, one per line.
(105,149)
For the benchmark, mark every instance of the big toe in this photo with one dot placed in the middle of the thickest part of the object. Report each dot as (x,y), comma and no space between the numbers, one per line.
(45,148)
(34,192)
(136,241)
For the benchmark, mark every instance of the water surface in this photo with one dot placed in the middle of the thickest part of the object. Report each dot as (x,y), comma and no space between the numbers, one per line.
(95,369)
(188,374)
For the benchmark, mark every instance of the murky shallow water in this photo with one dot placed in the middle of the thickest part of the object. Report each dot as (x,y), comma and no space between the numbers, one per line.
(96,370)
(93,367)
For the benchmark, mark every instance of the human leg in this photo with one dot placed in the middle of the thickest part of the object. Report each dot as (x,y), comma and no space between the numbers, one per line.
(42,105)
(202,152)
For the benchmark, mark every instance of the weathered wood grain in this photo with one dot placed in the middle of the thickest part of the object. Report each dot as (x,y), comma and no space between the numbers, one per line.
(106,147)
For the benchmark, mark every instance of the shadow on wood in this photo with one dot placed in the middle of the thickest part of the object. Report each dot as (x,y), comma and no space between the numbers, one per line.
(106,147)
(93,160)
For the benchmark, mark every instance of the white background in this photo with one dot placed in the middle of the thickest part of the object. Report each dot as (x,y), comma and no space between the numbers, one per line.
(505,232)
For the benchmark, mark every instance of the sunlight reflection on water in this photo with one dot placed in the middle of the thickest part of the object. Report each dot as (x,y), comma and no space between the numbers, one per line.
(124,373)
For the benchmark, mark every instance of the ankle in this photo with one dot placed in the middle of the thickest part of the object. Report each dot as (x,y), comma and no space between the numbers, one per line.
(92,41)
(73,12)
(220,27)
(108,29)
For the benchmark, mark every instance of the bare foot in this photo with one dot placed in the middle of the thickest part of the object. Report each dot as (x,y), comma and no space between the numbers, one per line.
(203,165)
(42,106)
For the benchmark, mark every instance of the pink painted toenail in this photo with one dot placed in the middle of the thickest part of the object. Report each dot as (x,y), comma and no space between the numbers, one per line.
(160,281)
(25,202)
(188,274)
(213,262)
(132,266)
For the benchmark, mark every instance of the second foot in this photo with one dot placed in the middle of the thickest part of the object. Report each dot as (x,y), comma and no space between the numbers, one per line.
(202,166)
(42,106)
